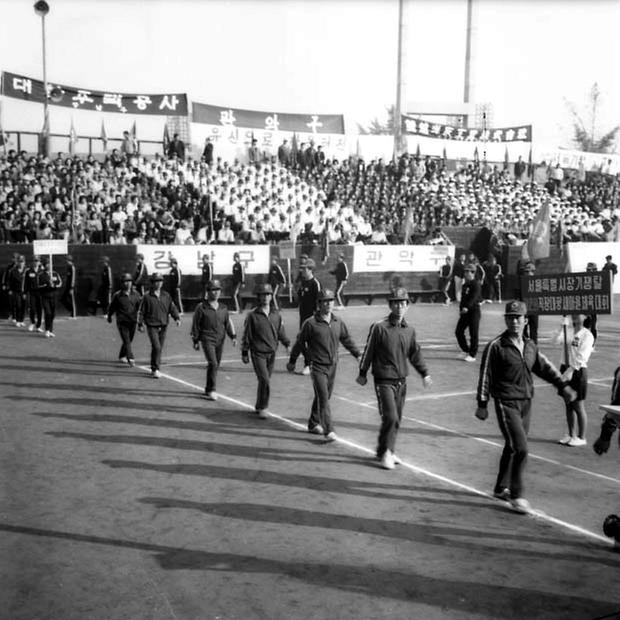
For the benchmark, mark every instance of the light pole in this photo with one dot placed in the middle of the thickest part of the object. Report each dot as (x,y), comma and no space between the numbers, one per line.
(42,8)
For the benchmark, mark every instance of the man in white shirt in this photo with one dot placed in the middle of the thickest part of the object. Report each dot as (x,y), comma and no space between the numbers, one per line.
(578,344)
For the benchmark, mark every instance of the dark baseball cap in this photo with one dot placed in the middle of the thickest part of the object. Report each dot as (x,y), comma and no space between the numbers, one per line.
(398,294)
(214,285)
(157,277)
(326,294)
(515,308)
(126,277)
(263,289)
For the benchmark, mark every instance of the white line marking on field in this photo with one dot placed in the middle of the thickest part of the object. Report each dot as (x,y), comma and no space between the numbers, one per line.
(372,405)
(414,468)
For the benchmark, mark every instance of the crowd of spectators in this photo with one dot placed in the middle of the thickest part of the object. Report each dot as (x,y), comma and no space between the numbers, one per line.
(310,198)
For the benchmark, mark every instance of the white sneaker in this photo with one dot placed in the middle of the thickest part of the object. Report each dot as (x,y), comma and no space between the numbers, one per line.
(122,360)
(331,436)
(47,334)
(565,440)
(575,442)
(387,460)
(469,359)
(52,335)
(262,414)
(316,430)
(40,330)
(155,374)
(520,505)
(306,371)
(211,396)
(31,327)
(397,459)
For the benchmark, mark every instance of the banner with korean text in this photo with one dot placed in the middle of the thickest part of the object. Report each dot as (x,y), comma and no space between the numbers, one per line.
(29,89)
(404,258)
(254,258)
(416,126)
(587,292)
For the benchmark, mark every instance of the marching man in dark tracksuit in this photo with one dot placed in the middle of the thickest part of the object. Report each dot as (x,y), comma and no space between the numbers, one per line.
(262,331)
(16,285)
(276,280)
(175,284)
(140,275)
(125,304)
(308,294)
(68,295)
(48,283)
(506,371)
(469,315)
(390,348)
(210,326)
(318,340)
(34,298)
(155,308)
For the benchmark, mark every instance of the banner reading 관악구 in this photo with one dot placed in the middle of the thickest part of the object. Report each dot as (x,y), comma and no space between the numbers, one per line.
(403,258)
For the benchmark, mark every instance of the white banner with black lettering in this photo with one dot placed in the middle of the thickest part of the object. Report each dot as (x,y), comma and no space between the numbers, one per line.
(367,258)
(254,258)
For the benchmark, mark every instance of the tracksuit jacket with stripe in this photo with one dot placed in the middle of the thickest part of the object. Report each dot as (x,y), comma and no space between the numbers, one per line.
(506,374)
(261,333)
(390,347)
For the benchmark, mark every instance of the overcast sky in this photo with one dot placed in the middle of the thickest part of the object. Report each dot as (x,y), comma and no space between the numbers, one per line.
(329,56)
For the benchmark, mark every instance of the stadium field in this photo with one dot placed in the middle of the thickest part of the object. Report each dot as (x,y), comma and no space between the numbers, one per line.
(124,496)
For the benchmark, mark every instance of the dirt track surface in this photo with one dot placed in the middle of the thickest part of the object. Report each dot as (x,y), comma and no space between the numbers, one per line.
(123,496)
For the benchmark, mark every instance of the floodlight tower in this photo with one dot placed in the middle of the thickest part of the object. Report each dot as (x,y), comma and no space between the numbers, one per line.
(400,87)
(470,55)
(42,8)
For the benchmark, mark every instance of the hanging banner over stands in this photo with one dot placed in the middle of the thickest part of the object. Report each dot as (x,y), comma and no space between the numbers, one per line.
(522,133)
(29,89)
(405,258)
(269,121)
(254,258)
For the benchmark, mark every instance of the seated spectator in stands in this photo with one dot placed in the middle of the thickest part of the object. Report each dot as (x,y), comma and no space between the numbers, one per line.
(225,234)
(183,235)
(437,238)
(203,232)
(117,237)
(378,236)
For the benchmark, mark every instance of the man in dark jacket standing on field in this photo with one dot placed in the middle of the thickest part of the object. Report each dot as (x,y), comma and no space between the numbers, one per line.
(262,331)
(318,340)
(155,308)
(506,369)
(390,348)
(125,304)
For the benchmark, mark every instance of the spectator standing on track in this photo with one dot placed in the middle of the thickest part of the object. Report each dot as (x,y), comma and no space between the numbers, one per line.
(492,279)
(308,296)
(458,273)
(48,283)
(16,284)
(176,147)
(238,280)
(341,273)
(610,266)
(575,373)
(207,153)
(506,369)
(210,326)
(469,315)
(318,340)
(125,304)
(391,345)
(140,275)
(591,320)
(35,308)
(445,279)
(207,274)
(104,293)
(68,296)
(262,331)
(277,279)
(155,309)
(175,284)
